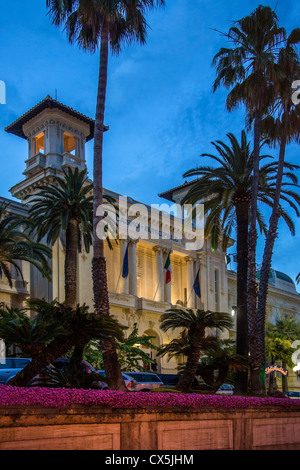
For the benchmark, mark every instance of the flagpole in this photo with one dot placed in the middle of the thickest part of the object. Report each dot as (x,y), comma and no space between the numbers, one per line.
(193,288)
(156,290)
(119,280)
(189,297)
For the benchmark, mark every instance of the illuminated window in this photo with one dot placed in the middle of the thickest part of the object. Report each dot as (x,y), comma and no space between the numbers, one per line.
(69,143)
(38,144)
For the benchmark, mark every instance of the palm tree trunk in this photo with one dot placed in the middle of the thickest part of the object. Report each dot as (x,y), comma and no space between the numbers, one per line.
(55,349)
(251,281)
(242,218)
(71,268)
(71,263)
(284,379)
(100,288)
(267,256)
(186,380)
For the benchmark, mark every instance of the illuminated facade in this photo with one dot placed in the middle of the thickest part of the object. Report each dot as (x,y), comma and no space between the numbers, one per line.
(56,137)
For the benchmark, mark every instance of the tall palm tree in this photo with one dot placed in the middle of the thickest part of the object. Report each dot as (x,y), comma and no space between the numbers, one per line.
(281,128)
(195,324)
(226,192)
(65,209)
(16,245)
(108,24)
(246,69)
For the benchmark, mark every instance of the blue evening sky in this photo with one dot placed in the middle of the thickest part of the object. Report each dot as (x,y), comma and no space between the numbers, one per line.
(160,107)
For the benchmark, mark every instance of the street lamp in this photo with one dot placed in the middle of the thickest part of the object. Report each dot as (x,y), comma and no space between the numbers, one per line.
(233,310)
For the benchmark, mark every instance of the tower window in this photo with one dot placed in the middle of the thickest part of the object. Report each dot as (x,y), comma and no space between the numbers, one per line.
(38,142)
(69,143)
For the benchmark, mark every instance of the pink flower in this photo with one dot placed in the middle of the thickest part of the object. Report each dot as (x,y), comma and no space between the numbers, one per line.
(59,398)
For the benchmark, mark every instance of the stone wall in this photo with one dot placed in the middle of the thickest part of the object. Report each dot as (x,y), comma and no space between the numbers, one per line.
(94,428)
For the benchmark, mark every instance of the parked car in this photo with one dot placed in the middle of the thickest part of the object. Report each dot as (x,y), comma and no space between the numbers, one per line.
(292,394)
(129,381)
(10,366)
(145,381)
(47,377)
(225,389)
(170,381)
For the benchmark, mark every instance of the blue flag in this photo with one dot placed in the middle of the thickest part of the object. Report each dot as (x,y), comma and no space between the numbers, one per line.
(125,264)
(196,285)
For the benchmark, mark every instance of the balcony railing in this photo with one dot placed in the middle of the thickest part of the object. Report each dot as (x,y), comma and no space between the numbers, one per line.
(35,163)
(73,161)
(18,287)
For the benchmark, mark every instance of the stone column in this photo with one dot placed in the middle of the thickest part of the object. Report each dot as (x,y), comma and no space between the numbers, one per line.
(190,282)
(132,268)
(159,288)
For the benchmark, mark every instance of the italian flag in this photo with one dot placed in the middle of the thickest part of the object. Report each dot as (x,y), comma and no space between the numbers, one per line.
(168,269)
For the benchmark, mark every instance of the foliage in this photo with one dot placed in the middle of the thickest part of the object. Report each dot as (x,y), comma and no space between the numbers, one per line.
(50,323)
(16,245)
(278,349)
(194,321)
(54,205)
(195,340)
(31,335)
(130,356)
(67,377)
(279,338)
(218,362)
(223,187)
(68,198)
(85,20)
(278,342)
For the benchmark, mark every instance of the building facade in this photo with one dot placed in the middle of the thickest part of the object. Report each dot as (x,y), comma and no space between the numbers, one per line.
(56,136)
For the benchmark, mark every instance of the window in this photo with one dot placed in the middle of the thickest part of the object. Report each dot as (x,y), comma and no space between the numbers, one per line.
(38,144)
(69,143)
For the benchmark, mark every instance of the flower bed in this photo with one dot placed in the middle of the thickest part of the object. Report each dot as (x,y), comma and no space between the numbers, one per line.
(60,398)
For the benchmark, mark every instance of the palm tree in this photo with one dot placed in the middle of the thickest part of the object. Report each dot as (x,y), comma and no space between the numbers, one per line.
(217,362)
(226,190)
(282,128)
(195,324)
(107,23)
(246,69)
(64,209)
(53,330)
(16,245)
(280,336)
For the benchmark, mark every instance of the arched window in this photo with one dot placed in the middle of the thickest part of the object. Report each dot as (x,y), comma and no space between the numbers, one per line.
(69,143)
(38,144)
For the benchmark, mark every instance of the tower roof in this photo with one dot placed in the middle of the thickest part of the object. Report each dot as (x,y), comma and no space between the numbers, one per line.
(16,127)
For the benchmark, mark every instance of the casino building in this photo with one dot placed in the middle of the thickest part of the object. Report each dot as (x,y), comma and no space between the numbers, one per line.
(56,136)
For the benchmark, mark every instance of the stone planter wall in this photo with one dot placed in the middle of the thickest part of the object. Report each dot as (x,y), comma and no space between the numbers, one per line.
(95,428)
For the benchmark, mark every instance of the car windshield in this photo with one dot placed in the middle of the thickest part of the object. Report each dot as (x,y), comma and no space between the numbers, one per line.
(169,379)
(140,377)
